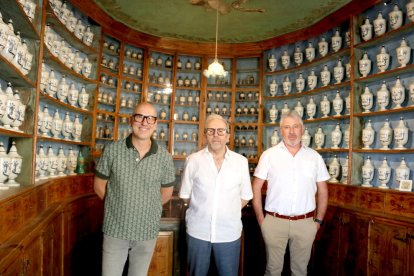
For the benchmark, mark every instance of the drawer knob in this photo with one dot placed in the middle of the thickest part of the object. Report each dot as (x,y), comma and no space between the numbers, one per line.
(15,218)
(31,207)
(370,263)
(369,200)
(344,196)
(401,206)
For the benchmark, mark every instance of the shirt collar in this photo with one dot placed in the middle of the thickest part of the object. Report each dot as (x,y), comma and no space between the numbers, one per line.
(152,150)
(283,146)
(226,155)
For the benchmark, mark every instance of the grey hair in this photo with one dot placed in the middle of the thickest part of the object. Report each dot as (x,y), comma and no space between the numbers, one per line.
(217,117)
(291,114)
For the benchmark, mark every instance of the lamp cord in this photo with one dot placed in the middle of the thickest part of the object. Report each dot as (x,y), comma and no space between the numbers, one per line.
(217,26)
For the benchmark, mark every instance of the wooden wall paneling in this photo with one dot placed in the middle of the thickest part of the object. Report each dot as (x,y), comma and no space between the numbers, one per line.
(32,258)
(162,259)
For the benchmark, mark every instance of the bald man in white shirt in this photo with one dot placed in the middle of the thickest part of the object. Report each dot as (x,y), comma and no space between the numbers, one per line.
(294,173)
(216,184)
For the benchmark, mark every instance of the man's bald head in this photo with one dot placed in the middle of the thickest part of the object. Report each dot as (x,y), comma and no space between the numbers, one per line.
(145,109)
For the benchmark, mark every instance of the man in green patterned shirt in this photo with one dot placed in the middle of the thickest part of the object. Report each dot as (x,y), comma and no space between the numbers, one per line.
(135,177)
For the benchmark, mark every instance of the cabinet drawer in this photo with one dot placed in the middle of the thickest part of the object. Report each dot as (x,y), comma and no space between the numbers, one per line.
(12,219)
(29,207)
(75,186)
(51,194)
(401,205)
(346,196)
(88,183)
(62,189)
(331,192)
(371,200)
(41,200)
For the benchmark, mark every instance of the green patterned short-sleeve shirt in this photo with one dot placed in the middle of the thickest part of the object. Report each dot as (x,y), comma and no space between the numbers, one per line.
(133,203)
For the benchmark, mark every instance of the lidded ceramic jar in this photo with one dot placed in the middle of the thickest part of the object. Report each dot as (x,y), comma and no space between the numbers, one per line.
(64,51)
(197,65)
(367,100)
(398,94)
(287,86)
(70,58)
(298,56)
(325,106)
(160,79)
(273,88)
(325,76)
(252,110)
(367,173)
(306,138)
(380,25)
(71,22)
(299,108)
(180,81)
(57,124)
(51,162)
(285,109)
(194,82)
(273,112)
(56,45)
(383,97)
(15,165)
(348,70)
(182,99)
(179,64)
(274,139)
(67,127)
(139,72)
(4,30)
(77,65)
(63,89)
(323,47)
(300,83)
(334,169)
(10,49)
(400,135)
(368,134)
(384,174)
(123,101)
(46,124)
(345,171)
(5,165)
(194,117)
(11,106)
(188,65)
(26,61)
(86,68)
(385,134)
(77,129)
(403,53)
(52,84)
(319,138)
(336,137)
(129,102)
(79,29)
(336,41)
(311,109)
(187,81)
(83,98)
(364,65)
(163,114)
(310,52)
(366,30)
(312,80)
(3,103)
(131,70)
(20,113)
(272,62)
(71,161)
(21,51)
(396,17)
(383,59)
(410,10)
(285,59)
(402,172)
(339,72)
(338,104)
(412,92)
(64,13)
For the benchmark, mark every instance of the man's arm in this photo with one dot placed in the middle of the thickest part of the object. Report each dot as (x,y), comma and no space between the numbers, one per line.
(166,194)
(322,203)
(257,199)
(99,186)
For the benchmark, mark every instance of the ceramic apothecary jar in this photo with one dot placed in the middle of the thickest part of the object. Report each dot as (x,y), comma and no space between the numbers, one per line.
(367,173)
(410,10)
(334,169)
(338,104)
(366,30)
(398,94)
(285,60)
(311,109)
(380,25)
(323,47)
(402,172)
(298,56)
(336,137)
(16,165)
(336,41)
(367,100)
(272,62)
(383,60)
(345,171)
(273,88)
(368,134)
(319,138)
(287,86)
(386,133)
(306,138)
(403,53)
(274,139)
(401,135)
(339,72)
(310,52)
(299,108)
(384,174)
(365,65)
(300,83)
(325,76)
(396,17)
(273,112)
(312,80)
(383,97)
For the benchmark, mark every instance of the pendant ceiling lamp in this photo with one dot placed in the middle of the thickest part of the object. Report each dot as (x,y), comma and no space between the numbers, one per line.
(215,69)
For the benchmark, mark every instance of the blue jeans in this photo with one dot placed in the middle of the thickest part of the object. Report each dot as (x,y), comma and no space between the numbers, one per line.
(226,256)
(115,253)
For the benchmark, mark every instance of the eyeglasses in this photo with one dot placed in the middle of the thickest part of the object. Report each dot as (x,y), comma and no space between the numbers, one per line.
(219,131)
(139,118)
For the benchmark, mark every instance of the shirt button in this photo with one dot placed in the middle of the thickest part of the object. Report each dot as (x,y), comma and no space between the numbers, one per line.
(137,159)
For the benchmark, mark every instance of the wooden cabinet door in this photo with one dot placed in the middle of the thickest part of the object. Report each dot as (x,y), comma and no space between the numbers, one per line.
(16,269)
(387,249)
(53,248)
(410,263)
(12,219)
(162,259)
(32,260)
(29,207)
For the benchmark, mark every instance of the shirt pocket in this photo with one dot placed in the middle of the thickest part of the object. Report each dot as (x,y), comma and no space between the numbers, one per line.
(309,168)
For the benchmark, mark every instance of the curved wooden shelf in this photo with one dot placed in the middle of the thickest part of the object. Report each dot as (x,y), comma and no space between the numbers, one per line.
(186,122)
(219,89)
(385,112)
(221,114)
(109,52)
(387,74)
(378,40)
(330,118)
(106,103)
(107,86)
(255,85)
(163,121)
(309,65)
(248,70)
(166,104)
(41,138)
(159,85)
(137,80)
(107,139)
(161,68)
(187,105)
(114,71)
(10,73)
(133,59)
(189,71)
(103,120)
(53,102)
(128,107)
(12,9)
(315,91)
(216,100)
(58,66)
(109,72)
(332,150)
(247,89)
(132,77)
(69,37)
(12,133)
(384,151)
(130,91)
(247,100)
(188,88)
(246,115)
(212,86)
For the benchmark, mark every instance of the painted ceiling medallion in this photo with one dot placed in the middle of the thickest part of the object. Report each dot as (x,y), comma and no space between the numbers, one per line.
(185,20)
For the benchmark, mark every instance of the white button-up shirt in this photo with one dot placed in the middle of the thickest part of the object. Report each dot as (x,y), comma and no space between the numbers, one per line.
(291,180)
(214,212)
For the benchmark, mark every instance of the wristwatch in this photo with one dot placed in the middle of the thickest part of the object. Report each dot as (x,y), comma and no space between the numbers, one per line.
(319,221)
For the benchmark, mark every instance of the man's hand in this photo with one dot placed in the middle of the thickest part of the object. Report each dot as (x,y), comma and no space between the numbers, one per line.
(318,226)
